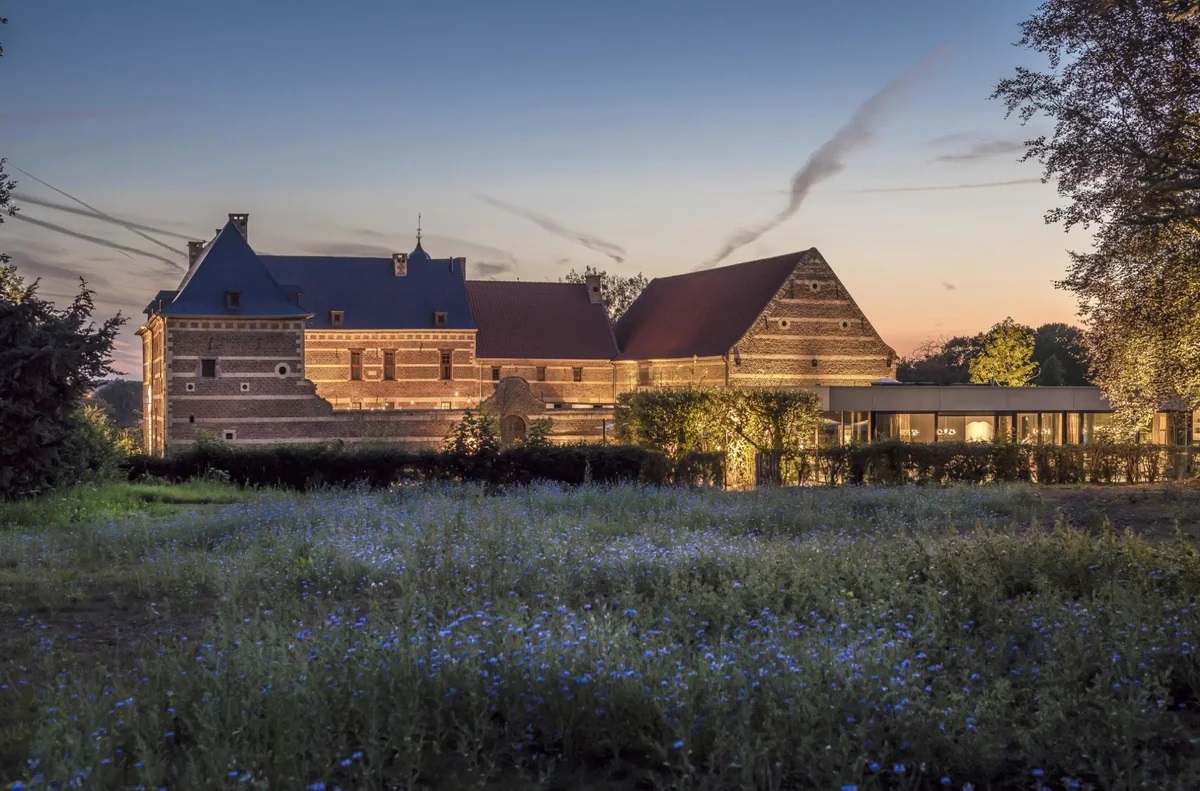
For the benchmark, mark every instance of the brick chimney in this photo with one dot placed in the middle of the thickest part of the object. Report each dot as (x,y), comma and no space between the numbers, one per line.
(593,289)
(400,264)
(459,266)
(242,223)
(194,251)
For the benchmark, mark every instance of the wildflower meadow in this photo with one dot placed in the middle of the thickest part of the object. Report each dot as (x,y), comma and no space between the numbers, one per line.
(600,637)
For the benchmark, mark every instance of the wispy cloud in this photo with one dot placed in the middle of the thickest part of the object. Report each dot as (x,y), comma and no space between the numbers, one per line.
(103,215)
(829,160)
(24,217)
(979,185)
(613,251)
(948,286)
(349,249)
(489,269)
(67,115)
(21,197)
(981,150)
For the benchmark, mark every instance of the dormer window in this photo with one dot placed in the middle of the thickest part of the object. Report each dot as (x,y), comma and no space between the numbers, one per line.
(439,319)
(337,317)
(233,300)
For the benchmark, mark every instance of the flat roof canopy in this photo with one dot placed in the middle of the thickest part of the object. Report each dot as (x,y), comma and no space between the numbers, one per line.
(966,399)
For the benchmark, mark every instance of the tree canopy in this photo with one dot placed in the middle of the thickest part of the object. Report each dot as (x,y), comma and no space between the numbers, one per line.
(1123,90)
(617,292)
(1005,356)
(1058,351)
(50,359)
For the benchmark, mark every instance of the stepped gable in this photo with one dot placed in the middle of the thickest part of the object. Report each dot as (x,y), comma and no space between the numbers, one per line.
(226,265)
(701,314)
(372,296)
(542,321)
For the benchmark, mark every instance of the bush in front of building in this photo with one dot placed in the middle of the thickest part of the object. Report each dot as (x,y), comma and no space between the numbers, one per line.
(309,467)
(892,462)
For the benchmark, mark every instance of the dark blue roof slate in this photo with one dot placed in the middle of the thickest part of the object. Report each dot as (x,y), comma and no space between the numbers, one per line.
(228,264)
(370,294)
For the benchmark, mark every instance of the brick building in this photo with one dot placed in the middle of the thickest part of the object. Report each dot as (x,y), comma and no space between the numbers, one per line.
(263,348)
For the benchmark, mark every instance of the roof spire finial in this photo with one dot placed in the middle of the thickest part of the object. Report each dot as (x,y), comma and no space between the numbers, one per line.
(418,227)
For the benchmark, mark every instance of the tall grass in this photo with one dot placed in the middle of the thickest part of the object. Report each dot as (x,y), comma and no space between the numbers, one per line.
(89,503)
(602,637)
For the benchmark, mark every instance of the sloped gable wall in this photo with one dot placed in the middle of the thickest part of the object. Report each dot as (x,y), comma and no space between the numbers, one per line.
(811,319)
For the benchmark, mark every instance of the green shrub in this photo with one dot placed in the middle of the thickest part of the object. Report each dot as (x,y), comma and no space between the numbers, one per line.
(892,462)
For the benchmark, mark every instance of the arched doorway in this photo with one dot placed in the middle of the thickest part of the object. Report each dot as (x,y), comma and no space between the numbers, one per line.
(512,430)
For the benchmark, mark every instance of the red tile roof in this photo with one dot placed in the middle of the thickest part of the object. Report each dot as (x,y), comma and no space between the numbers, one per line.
(700,313)
(539,320)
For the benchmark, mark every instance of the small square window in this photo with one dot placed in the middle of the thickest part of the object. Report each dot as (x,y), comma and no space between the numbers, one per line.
(495,373)
(229,434)
(191,418)
(541,373)
(389,404)
(577,374)
(208,368)
(233,300)
(337,317)
(356,404)
(439,319)
(445,405)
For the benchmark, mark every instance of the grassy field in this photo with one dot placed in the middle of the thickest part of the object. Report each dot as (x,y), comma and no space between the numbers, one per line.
(985,638)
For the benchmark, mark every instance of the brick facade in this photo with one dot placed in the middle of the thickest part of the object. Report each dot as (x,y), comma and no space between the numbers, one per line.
(268,370)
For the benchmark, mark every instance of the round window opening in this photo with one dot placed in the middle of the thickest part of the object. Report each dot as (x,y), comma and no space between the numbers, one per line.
(785,324)
(282,370)
(845,325)
(816,286)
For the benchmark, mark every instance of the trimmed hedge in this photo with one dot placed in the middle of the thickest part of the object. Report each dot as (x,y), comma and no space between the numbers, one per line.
(306,467)
(893,462)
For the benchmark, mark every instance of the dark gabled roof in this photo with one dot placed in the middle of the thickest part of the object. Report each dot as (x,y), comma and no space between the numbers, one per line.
(703,313)
(160,300)
(228,264)
(553,321)
(371,296)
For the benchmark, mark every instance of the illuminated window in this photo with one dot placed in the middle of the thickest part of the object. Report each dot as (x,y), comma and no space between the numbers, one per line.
(577,374)
(355,366)
(447,365)
(644,375)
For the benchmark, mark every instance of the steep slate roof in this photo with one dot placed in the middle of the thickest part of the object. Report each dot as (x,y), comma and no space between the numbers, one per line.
(228,264)
(370,294)
(539,320)
(700,313)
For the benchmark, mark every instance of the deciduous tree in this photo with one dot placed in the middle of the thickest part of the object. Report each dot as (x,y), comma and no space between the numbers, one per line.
(1005,356)
(617,292)
(1123,89)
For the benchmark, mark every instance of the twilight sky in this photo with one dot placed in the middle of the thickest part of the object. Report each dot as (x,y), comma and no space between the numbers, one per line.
(658,127)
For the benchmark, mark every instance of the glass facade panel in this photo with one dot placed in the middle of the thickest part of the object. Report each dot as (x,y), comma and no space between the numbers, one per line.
(1051,428)
(1095,426)
(1027,428)
(856,427)
(1171,428)
(844,428)
(1074,428)
(966,428)
(1005,428)
(910,427)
